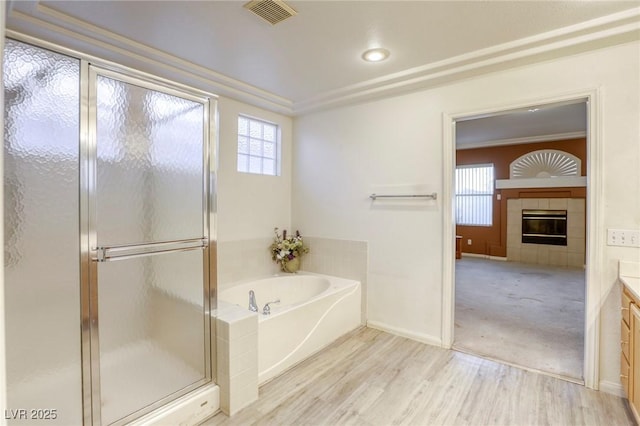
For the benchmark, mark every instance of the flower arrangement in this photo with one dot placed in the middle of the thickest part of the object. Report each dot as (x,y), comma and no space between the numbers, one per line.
(287,251)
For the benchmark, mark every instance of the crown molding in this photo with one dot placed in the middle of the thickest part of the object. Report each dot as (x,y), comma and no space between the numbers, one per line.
(617,28)
(520,141)
(85,37)
(96,41)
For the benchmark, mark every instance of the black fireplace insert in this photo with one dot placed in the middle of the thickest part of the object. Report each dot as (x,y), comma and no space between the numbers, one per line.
(544,227)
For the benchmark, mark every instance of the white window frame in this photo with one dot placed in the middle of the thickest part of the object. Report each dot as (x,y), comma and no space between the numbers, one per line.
(261,156)
(485,194)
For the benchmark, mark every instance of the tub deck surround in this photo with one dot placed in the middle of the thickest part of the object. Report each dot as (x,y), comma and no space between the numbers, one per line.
(340,258)
(237,356)
(314,310)
(290,289)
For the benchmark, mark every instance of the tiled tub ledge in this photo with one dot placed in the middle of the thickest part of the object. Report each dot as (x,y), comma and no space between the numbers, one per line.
(237,357)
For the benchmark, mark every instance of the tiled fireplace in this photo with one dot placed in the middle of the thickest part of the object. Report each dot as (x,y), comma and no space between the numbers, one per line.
(571,254)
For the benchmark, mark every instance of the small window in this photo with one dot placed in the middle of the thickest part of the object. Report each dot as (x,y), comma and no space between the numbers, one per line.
(474,195)
(258,146)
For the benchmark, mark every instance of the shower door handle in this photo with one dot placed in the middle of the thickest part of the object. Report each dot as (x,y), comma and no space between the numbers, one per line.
(129,251)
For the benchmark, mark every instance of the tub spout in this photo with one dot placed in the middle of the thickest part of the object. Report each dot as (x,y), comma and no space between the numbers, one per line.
(267,309)
(253,306)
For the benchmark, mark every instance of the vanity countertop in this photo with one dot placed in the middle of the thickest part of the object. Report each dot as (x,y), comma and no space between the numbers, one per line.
(629,275)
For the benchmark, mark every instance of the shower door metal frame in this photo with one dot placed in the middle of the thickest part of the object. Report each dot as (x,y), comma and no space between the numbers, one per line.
(91,254)
(85,263)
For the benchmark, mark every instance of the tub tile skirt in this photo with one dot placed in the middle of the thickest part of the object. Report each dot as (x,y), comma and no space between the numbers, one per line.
(237,360)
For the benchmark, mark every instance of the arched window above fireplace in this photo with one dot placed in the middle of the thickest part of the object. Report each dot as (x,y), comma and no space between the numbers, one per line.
(545,163)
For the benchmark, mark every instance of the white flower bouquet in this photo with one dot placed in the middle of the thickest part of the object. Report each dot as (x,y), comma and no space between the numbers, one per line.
(287,251)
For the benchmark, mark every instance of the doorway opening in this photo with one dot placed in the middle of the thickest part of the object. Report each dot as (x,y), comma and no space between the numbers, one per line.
(519,281)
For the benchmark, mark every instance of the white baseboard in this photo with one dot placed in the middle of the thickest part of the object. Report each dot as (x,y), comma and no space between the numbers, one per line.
(612,388)
(484,256)
(419,337)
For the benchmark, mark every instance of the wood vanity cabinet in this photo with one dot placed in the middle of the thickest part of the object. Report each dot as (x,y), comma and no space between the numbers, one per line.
(630,350)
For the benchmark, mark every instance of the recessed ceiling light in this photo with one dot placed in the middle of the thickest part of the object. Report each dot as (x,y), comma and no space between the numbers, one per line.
(375,55)
(534,109)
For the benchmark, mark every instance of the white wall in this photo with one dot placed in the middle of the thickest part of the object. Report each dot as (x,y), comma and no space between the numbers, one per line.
(344,154)
(249,205)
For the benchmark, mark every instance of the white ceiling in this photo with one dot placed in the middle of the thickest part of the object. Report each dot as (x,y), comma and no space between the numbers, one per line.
(537,123)
(313,59)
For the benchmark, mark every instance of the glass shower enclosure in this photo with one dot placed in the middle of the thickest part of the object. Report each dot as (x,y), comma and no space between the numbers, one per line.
(107,213)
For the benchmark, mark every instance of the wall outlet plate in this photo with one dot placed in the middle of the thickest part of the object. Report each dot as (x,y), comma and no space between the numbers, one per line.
(623,237)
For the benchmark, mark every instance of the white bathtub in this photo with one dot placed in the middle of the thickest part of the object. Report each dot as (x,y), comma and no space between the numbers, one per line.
(314,310)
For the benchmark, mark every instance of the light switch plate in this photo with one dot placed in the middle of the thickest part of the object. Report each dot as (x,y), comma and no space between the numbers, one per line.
(623,237)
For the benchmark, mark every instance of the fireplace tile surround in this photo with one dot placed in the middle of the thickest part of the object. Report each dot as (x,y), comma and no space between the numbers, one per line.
(573,254)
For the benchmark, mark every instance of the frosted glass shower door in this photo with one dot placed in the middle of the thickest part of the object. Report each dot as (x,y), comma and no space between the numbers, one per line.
(41,240)
(149,244)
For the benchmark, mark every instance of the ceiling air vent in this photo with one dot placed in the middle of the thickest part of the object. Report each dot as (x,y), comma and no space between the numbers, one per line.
(272,11)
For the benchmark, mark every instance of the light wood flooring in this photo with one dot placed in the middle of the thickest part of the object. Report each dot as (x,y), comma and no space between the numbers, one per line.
(369,377)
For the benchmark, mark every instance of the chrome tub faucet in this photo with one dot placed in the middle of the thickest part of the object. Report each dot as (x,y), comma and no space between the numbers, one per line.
(267,309)
(253,306)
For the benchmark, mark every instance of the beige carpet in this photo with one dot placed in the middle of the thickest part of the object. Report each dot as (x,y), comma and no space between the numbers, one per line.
(523,314)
